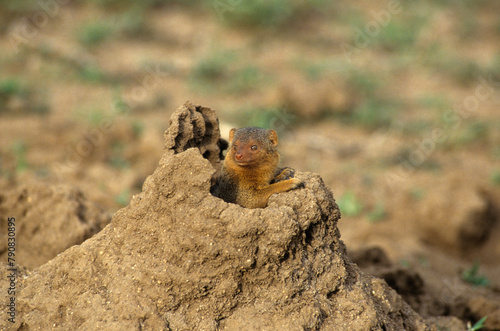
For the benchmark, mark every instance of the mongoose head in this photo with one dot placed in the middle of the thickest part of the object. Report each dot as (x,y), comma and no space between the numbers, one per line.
(251,146)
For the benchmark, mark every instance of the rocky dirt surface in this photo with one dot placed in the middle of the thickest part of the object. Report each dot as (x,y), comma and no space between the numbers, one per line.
(51,219)
(178,258)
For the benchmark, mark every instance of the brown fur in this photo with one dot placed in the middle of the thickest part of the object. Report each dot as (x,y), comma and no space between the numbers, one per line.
(250,173)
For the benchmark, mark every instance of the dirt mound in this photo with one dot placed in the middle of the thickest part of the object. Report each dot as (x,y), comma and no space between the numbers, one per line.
(198,127)
(178,258)
(406,281)
(446,304)
(49,220)
(469,216)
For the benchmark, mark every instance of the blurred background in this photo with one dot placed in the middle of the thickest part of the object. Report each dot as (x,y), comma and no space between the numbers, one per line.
(394,103)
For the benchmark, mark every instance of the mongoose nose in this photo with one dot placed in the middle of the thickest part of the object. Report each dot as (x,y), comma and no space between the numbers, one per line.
(238,156)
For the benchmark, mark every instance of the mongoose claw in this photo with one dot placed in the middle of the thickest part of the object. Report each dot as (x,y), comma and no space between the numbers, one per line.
(297,183)
(283,174)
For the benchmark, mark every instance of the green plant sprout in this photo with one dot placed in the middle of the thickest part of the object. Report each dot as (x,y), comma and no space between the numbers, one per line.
(378,213)
(473,277)
(123,198)
(478,325)
(19,150)
(495,177)
(349,204)
(93,34)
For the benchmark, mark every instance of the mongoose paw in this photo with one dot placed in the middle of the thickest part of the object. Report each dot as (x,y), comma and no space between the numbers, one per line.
(286,173)
(297,183)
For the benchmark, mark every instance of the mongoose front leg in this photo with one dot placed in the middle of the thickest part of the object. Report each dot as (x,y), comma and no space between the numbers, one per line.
(282,186)
(260,196)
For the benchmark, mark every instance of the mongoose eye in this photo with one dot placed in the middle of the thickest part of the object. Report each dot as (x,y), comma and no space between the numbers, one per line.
(254,147)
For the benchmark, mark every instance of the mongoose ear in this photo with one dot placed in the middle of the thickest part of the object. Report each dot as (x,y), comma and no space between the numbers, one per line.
(231,135)
(273,137)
